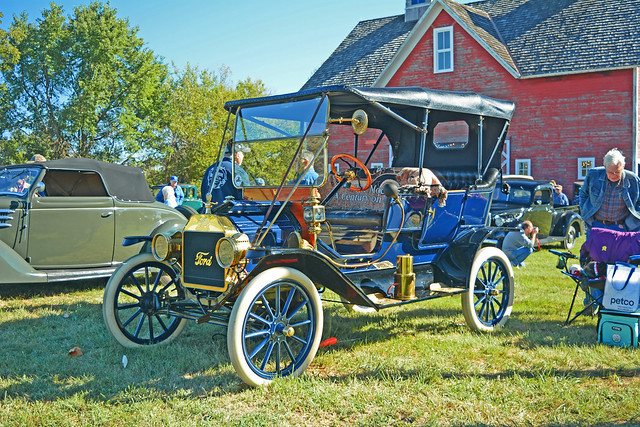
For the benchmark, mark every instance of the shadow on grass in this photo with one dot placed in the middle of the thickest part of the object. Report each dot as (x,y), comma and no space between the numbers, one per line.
(30,290)
(197,362)
(409,374)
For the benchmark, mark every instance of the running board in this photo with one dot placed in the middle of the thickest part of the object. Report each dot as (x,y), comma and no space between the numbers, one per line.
(77,274)
(383,302)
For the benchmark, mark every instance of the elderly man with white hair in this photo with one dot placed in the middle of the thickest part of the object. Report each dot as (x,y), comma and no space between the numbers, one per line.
(610,196)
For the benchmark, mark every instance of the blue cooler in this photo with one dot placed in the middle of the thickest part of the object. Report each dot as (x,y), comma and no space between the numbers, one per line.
(618,328)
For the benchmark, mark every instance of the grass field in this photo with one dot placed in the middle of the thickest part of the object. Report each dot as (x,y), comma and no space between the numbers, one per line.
(414,365)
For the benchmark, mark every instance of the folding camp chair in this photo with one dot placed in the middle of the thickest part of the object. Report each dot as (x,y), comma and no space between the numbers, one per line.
(602,247)
(583,281)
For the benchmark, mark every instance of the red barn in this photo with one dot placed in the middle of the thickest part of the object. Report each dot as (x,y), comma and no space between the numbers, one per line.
(570,66)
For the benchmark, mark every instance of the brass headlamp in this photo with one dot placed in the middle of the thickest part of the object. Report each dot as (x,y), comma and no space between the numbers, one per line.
(165,246)
(230,250)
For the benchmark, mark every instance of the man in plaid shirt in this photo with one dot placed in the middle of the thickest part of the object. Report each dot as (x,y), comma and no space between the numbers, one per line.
(610,198)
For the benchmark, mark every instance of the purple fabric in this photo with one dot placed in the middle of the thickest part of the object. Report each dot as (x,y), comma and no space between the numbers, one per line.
(610,246)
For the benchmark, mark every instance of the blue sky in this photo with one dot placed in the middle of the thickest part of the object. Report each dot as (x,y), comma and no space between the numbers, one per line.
(281,42)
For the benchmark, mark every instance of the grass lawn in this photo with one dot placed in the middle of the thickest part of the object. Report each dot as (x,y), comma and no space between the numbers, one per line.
(413,365)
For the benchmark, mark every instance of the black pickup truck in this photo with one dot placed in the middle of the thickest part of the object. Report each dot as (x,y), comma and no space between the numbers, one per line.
(523,198)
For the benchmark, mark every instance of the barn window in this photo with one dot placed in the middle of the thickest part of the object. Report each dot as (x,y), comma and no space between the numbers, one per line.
(584,164)
(442,49)
(523,167)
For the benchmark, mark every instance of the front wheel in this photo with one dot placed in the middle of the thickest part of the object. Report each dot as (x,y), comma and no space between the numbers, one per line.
(569,238)
(487,303)
(136,299)
(275,326)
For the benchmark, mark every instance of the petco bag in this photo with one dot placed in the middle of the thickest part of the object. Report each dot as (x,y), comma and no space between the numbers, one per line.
(622,288)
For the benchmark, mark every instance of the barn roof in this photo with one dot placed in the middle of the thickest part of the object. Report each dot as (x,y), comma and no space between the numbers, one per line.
(532,38)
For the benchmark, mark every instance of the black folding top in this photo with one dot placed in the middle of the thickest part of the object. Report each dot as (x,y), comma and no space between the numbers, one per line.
(461,102)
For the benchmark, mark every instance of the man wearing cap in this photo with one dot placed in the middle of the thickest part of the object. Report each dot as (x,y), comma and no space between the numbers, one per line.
(171,194)
(559,198)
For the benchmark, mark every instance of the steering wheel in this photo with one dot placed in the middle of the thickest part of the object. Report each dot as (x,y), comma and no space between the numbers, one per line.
(352,173)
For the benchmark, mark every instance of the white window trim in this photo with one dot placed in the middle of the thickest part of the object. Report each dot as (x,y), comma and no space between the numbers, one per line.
(583,159)
(523,161)
(377,165)
(436,51)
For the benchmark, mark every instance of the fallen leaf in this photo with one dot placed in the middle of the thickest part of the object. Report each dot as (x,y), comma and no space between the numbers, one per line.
(75,352)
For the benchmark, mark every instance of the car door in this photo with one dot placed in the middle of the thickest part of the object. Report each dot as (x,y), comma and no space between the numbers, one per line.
(73,224)
(541,212)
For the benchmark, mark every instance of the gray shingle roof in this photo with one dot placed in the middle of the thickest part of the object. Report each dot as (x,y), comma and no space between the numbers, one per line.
(535,37)
(362,56)
(561,36)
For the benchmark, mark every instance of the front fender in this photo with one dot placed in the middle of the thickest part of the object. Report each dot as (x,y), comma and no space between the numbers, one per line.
(317,268)
(169,227)
(14,269)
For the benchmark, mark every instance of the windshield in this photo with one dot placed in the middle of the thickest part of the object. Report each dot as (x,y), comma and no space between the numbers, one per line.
(277,121)
(16,181)
(518,194)
(267,138)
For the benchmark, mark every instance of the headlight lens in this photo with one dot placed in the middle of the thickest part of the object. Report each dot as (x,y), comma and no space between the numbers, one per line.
(165,246)
(230,250)
(498,220)
(160,247)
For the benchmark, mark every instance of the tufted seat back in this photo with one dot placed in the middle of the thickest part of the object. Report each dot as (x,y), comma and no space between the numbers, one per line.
(459,179)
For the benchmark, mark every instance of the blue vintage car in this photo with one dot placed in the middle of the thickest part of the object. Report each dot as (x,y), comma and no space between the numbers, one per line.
(381,195)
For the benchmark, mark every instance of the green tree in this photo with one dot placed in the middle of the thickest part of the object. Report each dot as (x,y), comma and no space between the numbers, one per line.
(196,121)
(81,86)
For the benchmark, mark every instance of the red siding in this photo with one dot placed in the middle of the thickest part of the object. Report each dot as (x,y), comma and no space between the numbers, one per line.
(557,119)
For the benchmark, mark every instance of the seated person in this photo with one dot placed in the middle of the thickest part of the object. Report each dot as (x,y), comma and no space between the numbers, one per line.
(518,245)
(310,177)
(426,183)
(21,185)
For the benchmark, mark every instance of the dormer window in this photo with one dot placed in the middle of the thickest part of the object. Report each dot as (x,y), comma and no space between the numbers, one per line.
(442,49)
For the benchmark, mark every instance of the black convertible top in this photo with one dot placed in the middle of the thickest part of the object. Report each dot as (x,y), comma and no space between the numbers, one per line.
(461,102)
(123,182)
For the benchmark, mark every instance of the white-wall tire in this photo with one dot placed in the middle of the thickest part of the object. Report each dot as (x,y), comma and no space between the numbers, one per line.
(487,303)
(275,326)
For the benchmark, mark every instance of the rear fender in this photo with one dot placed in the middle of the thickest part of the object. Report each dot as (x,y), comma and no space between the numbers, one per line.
(317,268)
(454,264)
(565,221)
(15,269)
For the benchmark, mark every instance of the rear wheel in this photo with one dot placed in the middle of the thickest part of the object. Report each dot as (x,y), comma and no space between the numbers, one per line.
(275,326)
(488,302)
(570,237)
(136,301)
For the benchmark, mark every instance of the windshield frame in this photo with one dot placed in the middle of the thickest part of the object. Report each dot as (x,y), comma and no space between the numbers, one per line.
(311,135)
